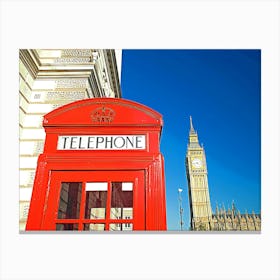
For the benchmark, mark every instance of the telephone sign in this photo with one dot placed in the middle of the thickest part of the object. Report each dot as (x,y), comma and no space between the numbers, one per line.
(102,142)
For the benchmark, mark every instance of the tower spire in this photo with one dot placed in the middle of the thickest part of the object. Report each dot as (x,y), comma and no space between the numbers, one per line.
(191,126)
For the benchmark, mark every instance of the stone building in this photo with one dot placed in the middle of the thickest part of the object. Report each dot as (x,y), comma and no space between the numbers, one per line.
(202,217)
(49,78)
(232,219)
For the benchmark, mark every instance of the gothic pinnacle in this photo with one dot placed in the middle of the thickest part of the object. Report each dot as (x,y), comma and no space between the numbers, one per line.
(191,125)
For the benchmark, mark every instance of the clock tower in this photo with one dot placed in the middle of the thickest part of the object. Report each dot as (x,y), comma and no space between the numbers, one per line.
(200,206)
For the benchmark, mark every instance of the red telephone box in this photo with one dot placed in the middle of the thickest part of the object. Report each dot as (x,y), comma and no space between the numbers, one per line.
(101,169)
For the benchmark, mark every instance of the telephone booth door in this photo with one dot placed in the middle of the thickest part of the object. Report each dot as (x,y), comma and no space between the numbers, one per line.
(96,201)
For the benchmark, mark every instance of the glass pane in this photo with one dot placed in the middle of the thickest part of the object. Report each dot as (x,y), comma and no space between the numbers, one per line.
(96,197)
(66,226)
(96,227)
(127,186)
(122,227)
(69,203)
(122,200)
(96,186)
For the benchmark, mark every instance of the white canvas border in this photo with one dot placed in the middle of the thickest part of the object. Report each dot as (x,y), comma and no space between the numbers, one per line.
(154,24)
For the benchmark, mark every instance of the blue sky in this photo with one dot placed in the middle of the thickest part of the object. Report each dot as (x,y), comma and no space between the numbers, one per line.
(221,90)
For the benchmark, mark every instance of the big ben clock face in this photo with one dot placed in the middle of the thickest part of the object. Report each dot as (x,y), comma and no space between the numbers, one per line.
(196,162)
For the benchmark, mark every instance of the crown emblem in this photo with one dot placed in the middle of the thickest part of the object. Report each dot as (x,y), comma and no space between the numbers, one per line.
(103,115)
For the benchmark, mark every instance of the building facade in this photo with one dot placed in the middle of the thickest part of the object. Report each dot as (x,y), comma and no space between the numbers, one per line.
(48,79)
(232,220)
(201,216)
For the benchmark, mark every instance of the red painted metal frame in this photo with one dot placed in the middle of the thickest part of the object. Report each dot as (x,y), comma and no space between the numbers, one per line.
(130,118)
(57,177)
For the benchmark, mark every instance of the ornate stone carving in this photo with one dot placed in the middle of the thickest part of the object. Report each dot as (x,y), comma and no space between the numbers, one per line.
(95,56)
(65,95)
(72,60)
(71,83)
(76,52)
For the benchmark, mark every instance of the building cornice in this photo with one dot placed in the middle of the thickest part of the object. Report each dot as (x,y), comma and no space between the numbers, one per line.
(29,61)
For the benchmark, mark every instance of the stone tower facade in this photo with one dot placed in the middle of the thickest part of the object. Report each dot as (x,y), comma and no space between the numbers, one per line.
(200,206)
(201,214)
